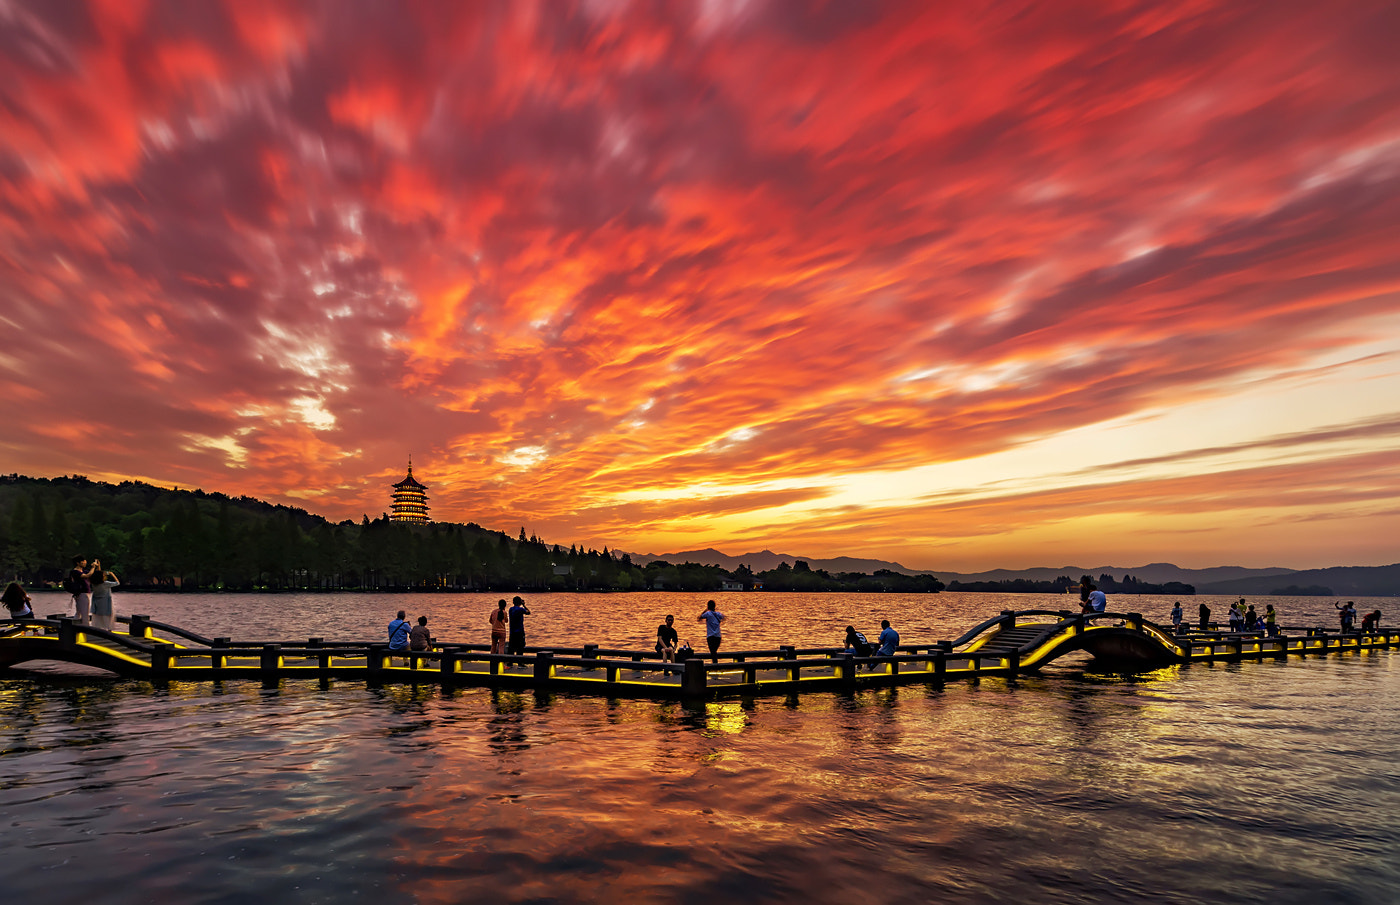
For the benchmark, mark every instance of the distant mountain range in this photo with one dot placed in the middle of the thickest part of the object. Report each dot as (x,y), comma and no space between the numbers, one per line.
(1359,581)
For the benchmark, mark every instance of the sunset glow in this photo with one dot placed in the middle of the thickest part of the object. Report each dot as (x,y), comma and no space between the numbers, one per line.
(959,285)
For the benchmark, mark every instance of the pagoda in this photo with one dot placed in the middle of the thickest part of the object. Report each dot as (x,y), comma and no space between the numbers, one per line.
(410,500)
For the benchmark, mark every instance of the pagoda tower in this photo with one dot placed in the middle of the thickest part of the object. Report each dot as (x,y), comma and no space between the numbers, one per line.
(410,500)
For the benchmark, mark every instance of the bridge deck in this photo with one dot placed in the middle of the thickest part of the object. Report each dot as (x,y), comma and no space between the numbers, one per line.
(1007,645)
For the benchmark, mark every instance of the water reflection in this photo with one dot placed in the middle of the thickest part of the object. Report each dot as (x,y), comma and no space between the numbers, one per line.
(1066,786)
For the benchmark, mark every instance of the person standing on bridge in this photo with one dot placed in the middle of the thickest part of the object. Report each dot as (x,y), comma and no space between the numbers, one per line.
(1347,616)
(398,633)
(102,614)
(889,639)
(516,615)
(712,618)
(79,584)
(1176,617)
(1270,623)
(1205,618)
(498,622)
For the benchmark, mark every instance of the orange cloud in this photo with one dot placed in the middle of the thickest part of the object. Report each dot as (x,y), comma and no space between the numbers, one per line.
(659,273)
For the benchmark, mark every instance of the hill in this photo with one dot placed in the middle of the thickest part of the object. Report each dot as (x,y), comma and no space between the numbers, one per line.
(1154,573)
(1344,581)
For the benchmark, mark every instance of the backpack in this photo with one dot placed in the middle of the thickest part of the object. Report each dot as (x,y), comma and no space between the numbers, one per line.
(72,584)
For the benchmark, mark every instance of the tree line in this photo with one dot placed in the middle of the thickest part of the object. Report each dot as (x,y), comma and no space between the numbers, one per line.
(155,537)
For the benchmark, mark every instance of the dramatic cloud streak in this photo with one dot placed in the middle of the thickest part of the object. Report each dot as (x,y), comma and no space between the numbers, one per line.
(983,285)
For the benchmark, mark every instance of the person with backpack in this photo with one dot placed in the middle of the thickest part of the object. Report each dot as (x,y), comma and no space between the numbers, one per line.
(398,633)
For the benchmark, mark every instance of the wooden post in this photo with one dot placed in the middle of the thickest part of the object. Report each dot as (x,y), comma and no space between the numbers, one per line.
(590,651)
(1013,662)
(270,660)
(67,633)
(374,661)
(940,666)
(848,671)
(1135,621)
(447,663)
(693,679)
(160,660)
(217,660)
(544,665)
(139,627)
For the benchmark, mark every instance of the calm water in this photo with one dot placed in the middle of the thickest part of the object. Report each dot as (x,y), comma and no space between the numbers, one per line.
(1258,782)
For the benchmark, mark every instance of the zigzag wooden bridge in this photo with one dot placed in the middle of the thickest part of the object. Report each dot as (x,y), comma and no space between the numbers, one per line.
(1007,645)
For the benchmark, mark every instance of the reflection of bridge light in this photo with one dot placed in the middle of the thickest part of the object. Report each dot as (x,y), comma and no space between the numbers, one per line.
(727,717)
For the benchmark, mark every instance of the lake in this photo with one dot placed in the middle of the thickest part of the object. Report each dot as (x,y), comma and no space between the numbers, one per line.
(1253,782)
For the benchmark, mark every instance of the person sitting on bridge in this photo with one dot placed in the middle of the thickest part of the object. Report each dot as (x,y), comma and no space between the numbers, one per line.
(398,633)
(667,638)
(17,601)
(418,638)
(856,643)
(1098,602)
(889,639)
(1371,622)
(1251,619)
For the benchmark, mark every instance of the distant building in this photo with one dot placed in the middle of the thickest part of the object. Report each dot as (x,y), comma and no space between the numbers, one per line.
(410,500)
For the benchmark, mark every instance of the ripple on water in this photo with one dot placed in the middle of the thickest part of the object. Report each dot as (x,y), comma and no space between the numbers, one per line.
(1264,782)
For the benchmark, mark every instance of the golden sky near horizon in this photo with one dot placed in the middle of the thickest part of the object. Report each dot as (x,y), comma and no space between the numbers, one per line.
(958,285)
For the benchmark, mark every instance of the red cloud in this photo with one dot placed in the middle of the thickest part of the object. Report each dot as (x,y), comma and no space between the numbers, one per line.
(271,248)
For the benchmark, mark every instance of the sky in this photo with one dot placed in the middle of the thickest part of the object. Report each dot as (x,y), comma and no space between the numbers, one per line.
(959,285)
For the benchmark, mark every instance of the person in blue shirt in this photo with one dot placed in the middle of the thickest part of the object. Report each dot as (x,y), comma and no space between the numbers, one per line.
(1098,603)
(398,633)
(1176,617)
(516,616)
(889,639)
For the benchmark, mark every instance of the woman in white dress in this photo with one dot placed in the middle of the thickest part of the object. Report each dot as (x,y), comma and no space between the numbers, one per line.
(102,616)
